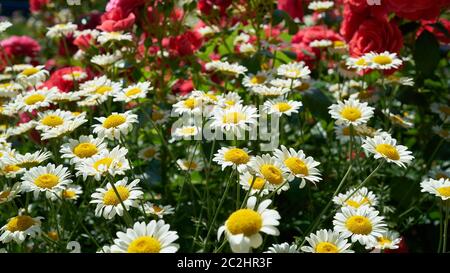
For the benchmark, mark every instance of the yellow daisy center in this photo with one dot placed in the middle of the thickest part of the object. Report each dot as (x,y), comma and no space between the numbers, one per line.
(85,149)
(46,181)
(326,247)
(191,103)
(188,130)
(53,235)
(30,71)
(338,44)
(361,62)
(211,97)
(157,115)
(230,102)
(133,92)
(444,191)
(106,161)
(383,240)
(11,168)
(382,59)
(33,99)
(190,165)
(52,120)
(351,113)
(357,204)
(20,223)
(283,106)
(237,156)
(111,198)
(388,151)
(4,194)
(258,183)
(296,165)
(258,79)
(144,244)
(359,225)
(28,164)
(233,117)
(68,194)
(103,89)
(149,153)
(157,208)
(272,174)
(114,120)
(244,221)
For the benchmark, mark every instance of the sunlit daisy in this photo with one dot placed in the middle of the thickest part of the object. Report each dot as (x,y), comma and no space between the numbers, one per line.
(351,111)
(190,164)
(112,200)
(149,153)
(256,184)
(105,37)
(299,165)
(327,241)
(356,199)
(112,162)
(133,92)
(251,80)
(272,170)
(359,63)
(75,75)
(186,132)
(439,188)
(98,90)
(389,240)
(160,211)
(320,6)
(154,237)
(386,147)
(321,43)
(242,228)
(229,99)
(232,69)
(34,100)
(282,248)
(232,156)
(115,125)
(71,192)
(399,120)
(286,83)
(4,25)
(19,227)
(32,76)
(106,59)
(190,105)
(294,70)
(58,122)
(270,91)
(27,160)
(282,106)
(362,224)
(383,61)
(48,179)
(235,119)
(82,148)
(61,30)
(10,89)
(9,193)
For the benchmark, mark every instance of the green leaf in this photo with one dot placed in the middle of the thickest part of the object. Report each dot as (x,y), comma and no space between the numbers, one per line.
(317,103)
(426,54)
(290,54)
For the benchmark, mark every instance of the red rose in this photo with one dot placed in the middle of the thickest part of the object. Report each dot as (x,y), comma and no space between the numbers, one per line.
(183,87)
(293,7)
(185,44)
(37,5)
(125,5)
(116,20)
(305,53)
(206,6)
(417,9)
(440,35)
(376,35)
(20,46)
(84,41)
(314,33)
(64,84)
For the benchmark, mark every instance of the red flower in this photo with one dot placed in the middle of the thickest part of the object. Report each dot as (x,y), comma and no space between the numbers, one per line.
(125,5)
(440,35)
(84,41)
(183,87)
(37,5)
(58,80)
(116,20)
(206,6)
(185,44)
(309,34)
(417,9)
(293,7)
(376,35)
(20,46)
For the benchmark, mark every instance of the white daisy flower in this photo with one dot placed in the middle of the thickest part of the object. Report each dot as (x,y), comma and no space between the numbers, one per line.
(327,241)
(53,119)
(294,70)
(442,132)
(71,192)
(282,106)
(20,129)
(362,197)
(82,148)
(98,90)
(160,211)
(133,92)
(10,89)
(149,152)
(320,6)
(270,91)
(235,119)
(61,30)
(105,37)
(206,97)
(34,100)
(358,63)
(10,170)
(115,125)
(247,48)
(321,43)
(4,25)
(208,30)
(443,110)
(19,227)
(299,165)
(260,78)
(75,75)
(439,172)
(242,228)
(234,157)
(9,193)
(439,188)
(351,111)
(105,249)
(112,162)
(190,164)
(286,83)
(362,224)
(389,240)
(282,248)
(229,99)
(386,147)
(256,184)
(106,59)
(48,179)
(27,160)
(65,97)
(32,76)
(154,237)
(160,116)
(383,61)
(272,170)
(232,69)
(400,120)
(190,105)
(186,132)
(109,202)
